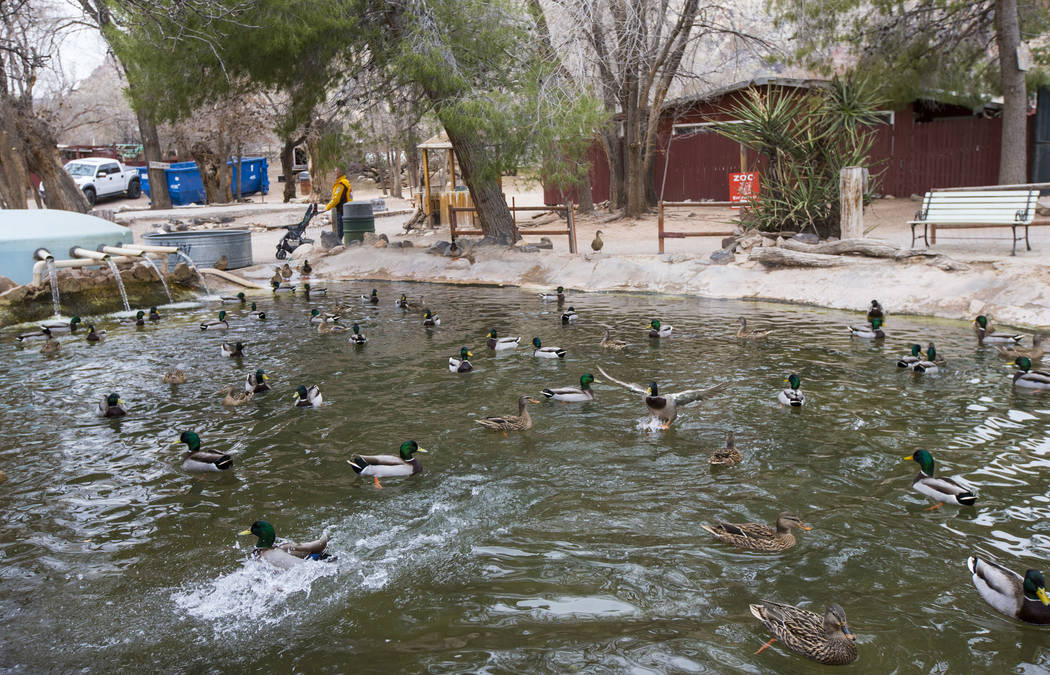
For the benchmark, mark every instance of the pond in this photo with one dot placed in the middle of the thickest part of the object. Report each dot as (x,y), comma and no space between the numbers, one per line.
(575,546)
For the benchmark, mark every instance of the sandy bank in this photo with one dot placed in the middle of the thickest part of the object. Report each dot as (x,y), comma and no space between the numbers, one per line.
(1014,291)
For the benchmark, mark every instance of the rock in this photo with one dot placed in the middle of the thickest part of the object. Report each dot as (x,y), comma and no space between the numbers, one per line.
(728,241)
(831,239)
(407,244)
(181,227)
(353,242)
(723,256)
(182,273)
(15,295)
(545,243)
(335,250)
(915,198)
(142,272)
(226,219)
(748,242)
(369,239)
(196,221)
(529,248)
(675,258)
(330,240)
(380,243)
(438,248)
(6,285)
(302,251)
(807,238)
(384,238)
(395,244)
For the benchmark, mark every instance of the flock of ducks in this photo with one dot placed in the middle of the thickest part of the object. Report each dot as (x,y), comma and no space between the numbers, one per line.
(824,638)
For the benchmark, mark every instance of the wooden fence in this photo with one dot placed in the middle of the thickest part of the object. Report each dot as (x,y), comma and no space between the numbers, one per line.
(661,234)
(568,210)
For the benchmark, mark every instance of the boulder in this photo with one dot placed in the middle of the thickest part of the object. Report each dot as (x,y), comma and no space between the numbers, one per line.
(748,241)
(384,238)
(182,272)
(381,243)
(142,272)
(407,244)
(722,256)
(728,241)
(303,251)
(395,244)
(335,250)
(439,248)
(6,284)
(14,295)
(68,283)
(330,240)
(369,239)
(545,243)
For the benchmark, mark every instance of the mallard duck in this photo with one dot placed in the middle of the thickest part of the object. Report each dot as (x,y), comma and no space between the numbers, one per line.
(943,490)
(240,297)
(752,334)
(1023,598)
(557,296)
(875,311)
(234,350)
(912,359)
(324,328)
(111,406)
(288,554)
(286,271)
(659,330)
(422,304)
(608,342)
(317,317)
(256,382)
(35,336)
(931,364)
(50,346)
(154,315)
(580,394)
(305,269)
(138,320)
(234,397)
(276,279)
(791,395)
(256,314)
(429,320)
(729,455)
(219,324)
(870,331)
(95,335)
(174,376)
(308,398)
(61,325)
(597,243)
(499,344)
(308,289)
(384,466)
(520,422)
(546,352)
(759,537)
(279,287)
(570,316)
(401,302)
(1027,378)
(357,338)
(1012,351)
(987,335)
(826,640)
(371,299)
(664,407)
(201,461)
(461,364)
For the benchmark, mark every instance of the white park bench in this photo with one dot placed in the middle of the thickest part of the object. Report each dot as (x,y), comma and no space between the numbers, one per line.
(973,209)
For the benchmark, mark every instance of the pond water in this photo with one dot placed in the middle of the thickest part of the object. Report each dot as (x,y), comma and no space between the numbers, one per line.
(575,546)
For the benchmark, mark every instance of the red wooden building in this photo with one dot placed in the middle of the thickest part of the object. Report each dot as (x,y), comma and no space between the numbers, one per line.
(924,145)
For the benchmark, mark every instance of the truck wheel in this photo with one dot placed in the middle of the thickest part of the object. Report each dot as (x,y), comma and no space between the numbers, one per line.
(89,192)
(134,190)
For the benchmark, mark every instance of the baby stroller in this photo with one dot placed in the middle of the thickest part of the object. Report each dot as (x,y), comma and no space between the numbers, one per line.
(294,237)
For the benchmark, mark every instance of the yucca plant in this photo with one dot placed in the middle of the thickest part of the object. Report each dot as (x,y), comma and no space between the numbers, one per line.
(807,138)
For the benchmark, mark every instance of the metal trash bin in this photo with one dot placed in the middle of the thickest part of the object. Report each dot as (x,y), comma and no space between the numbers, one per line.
(304,184)
(357,219)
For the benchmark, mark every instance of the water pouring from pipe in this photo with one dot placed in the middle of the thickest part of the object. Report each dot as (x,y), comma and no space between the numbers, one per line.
(193,265)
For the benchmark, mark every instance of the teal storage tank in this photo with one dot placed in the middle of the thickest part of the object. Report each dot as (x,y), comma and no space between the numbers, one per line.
(23,231)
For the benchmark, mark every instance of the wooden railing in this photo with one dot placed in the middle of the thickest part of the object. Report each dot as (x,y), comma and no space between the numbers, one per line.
(661,234)
(569,231)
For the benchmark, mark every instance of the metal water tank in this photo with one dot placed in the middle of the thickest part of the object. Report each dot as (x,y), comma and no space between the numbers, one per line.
(206,247)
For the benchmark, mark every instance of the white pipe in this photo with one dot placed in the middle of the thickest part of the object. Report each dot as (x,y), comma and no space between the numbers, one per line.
(129,250)
(43,254)
(41,265)
(152,249)
(78,252)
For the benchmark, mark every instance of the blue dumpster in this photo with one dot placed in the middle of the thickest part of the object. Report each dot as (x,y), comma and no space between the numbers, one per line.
(185,186)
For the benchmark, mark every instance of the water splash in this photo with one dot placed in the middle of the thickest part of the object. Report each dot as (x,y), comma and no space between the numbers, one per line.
(120,283)
(149,261)
(189,261)
(53,276)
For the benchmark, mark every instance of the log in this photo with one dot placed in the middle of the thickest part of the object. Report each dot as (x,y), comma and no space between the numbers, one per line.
(872,248)
(829,254)
(773,256)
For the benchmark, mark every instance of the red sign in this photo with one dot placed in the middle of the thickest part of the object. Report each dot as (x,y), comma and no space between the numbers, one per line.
(743,187)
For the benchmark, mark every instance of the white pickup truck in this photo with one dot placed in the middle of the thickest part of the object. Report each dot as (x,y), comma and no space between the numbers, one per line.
(100,177)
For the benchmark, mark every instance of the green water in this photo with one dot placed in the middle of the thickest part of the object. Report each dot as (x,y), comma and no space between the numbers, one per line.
(575,546)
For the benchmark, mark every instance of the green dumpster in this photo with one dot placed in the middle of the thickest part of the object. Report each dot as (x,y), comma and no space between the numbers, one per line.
(357,219)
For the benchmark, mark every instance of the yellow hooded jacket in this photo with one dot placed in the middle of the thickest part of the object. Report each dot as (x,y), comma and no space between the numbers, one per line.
(341,193)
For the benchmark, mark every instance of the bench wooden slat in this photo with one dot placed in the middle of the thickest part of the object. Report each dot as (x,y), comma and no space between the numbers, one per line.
(976,209)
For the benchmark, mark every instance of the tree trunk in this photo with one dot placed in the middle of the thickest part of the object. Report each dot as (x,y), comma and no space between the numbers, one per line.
(14,176)
(614,156)
(287,162)
(1013,161)
(395,175)
(412,156)
(210,165)
(158,180)
(32,138)
(583,194)
(496,221)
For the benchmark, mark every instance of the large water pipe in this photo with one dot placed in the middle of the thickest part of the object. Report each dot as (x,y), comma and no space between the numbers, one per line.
(41,265)
(141,250)
(78,252)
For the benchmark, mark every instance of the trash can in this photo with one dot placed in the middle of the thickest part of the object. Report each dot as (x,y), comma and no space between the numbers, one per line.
(304,184)
(357,219)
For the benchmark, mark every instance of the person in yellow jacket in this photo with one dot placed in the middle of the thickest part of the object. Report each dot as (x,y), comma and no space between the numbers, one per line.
(341,194)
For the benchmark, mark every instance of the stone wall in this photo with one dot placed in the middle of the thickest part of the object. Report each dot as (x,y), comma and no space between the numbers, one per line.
(90,291)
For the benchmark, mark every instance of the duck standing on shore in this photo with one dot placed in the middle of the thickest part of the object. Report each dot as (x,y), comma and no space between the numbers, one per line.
(597,243)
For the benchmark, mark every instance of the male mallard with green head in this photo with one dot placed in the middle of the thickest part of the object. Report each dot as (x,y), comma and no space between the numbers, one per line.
(1027,378)
(288,554)
(138,320)
(499,344)
(218,324)
(371,299)
(557,296)
(256,382)
(580,394)
(875,311)
(356,337)
(826,639)
(461,364)
(95,335)
(659,330)
(430,319)
(791,396)
(912,359)
(316,316)
(111,406)
(256,314)
(385,466)
(240,298)
(870,331)
(758,536)
(154,315)
(542,352)
(931,364)
(308,398)
(570,316)
(943,490)
(201,461)
(233,350)
(61,325)
(664,407)
(1023,598)
(987,335)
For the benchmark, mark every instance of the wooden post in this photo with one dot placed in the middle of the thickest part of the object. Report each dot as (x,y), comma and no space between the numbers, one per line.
(660,226)
(851,202)
(743,158)
(572,227)
(452,223)
(426,185)
(451,169)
